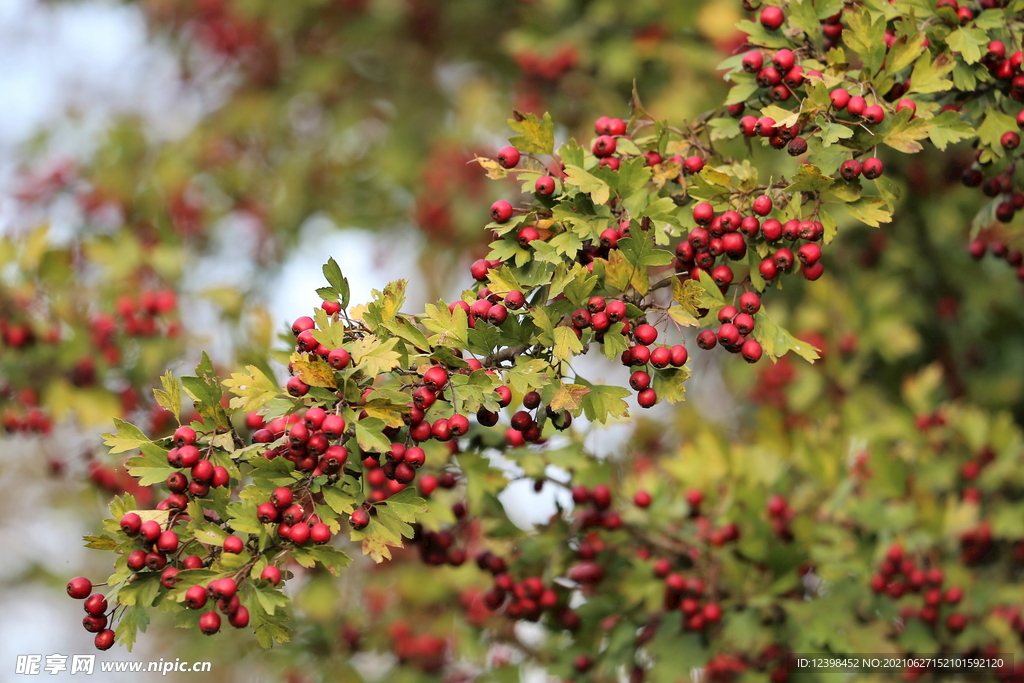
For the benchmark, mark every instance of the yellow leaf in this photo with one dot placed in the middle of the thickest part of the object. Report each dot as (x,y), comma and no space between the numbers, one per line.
(313,370)
(569,397)
(251,391)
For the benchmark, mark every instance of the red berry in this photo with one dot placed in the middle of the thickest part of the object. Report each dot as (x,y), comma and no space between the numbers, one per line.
(856,105)
(647,398)
(1010,140)
(195,597)
(763,205)
(604,146)
(840,98)
(338,358)
(508,157)
(753,61)
(209,623)
(907,104)
(545,186)
(79,588)
(873,168)
(873,115)
(642,499)
(501,211)
(751,351)
(771,18)
(272,574)
(707,339)
(639,380)
(233,545)
(96,604)
(131,523)
(359,519)
(104,639)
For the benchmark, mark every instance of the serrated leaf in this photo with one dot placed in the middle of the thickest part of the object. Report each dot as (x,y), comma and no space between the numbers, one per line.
(781,117)
(905,130)
(927,76)
(385,305)
(450,328)
(904,52)
(832,132)
(614,341)
(871,211)
(170,397)
(370,435)
(809,178)
(252,391)
(992,128)
(865,35)
(102,542)
(528,374)
(598,189)
(536,136)
(373,356)
(777,342)
(133,620)
(492,169)
(311,369)
(967,42)
(338,499)
(566,343)
(688,294)
(603,402)
(724,128)
(569,397)
(128,437)
(150,468)
(339,291)
(669,384)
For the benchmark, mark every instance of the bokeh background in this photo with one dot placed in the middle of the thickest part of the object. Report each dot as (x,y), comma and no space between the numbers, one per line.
(223,149)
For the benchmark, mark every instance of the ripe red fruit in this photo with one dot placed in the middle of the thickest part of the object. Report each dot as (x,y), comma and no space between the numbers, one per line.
(359,519)
(645,334)
(167,542)
(104,639)
(873,168)
(282,497)
(79,588)
(545,186)
(302,324)
(458,425)
(661,357)
(320,533)
(136,560)
(784,59)
(679,355)
(296,387)
(615,310)
(703,213)
(604,146)
(873,115)
(94,624)
(693,164)
(751,351)
(501,211)
(712,612)
(850,169)
(150,530)
(240,617)
(272,574)
(131,523)
(333,427)
(642,499)
(233,545)
(856,105)
(527,235)
(772,18)
(639,380)
(797,146)
(338,358)
(184,436)
(299,533)
(907,104)
(96,605)
(647,398)
(707,339)
(763,205)
(753,61)
(195,597)
(209,623)
(809,253)
(167,577)
(750,302)
(1020,120)
(1010,140)
(508,157)
(514,300)
(840,98)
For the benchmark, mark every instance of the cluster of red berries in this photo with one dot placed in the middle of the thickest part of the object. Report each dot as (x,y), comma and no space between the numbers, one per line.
(184,455)
(550,68)
(736,325)
(898,575)
(1013,257)
(96,617)
(225,592)
(780,515)
(427,652)
(27,417)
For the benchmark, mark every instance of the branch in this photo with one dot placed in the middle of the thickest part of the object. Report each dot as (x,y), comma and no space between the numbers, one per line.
(505,354)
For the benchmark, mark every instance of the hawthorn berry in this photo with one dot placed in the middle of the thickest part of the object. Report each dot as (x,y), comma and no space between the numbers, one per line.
(79,588)
(772,18)
(872,168)
(209,623)
(501,211)
(508,157)
(647,398)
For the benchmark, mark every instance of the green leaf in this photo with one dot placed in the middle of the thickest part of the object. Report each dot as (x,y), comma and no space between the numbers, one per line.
(385,305)
(373,356)
(251,391)
(669,384)
(571,154)
(450,328)
(927,76)
(170,397)
(614,341)
(269,598)
(311,369)
(865,35)
(832,133)
(777,342)
(724,128)
(536,136)
(598,189)
(744,87)
(904,131)
(332,559)
(809,178)
(370,435)
(603,402)
(992,128)
(872,211)
(150,468)
(338,499)
(566,344)
(949,127)
(968,42)
(641,254)
(904,52)
(128,437)
(528,374)
(133,620)
(339,290)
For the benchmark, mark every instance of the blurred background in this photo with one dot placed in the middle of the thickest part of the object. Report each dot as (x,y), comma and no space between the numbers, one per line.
(174,172)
